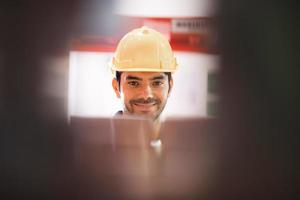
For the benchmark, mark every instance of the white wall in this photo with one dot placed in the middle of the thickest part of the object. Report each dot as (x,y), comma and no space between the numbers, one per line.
(166,8)
(91,94)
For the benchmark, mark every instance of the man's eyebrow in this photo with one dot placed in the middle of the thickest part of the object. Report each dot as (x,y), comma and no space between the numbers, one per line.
(133,78)
(161,77)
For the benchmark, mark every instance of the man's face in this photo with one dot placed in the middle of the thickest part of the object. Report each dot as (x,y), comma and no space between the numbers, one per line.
(143,93)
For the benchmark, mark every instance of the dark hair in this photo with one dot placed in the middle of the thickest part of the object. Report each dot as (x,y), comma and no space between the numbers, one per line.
(118,77)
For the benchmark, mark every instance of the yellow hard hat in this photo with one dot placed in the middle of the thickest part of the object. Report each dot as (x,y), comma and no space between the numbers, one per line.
(145,50)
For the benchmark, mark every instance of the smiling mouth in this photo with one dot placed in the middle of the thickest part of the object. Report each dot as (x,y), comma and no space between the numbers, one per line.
(145,106)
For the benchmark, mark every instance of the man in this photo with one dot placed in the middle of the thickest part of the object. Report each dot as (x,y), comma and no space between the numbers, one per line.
(142,66)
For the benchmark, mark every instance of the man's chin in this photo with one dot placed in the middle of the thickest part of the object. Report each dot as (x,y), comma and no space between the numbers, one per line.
(152,113)
(148,114)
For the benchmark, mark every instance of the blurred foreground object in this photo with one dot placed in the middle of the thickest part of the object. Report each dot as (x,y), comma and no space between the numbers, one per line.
(256,146)
(115,155)
(260,99)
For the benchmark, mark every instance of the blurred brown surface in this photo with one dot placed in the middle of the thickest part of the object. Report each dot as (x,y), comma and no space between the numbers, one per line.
(256,141)
(183,167)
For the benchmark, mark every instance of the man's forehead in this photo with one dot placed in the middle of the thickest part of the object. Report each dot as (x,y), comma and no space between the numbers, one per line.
(143,75)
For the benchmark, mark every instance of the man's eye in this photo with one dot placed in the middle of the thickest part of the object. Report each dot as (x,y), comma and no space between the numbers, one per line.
(157,83)
(133,83)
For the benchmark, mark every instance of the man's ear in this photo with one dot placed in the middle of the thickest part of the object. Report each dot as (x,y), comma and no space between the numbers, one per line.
(170,86)
(115,86)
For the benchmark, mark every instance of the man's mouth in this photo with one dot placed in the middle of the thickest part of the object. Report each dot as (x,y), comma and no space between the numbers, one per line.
(145,107)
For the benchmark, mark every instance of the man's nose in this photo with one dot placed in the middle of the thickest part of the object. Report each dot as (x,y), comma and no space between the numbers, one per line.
(146,92)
